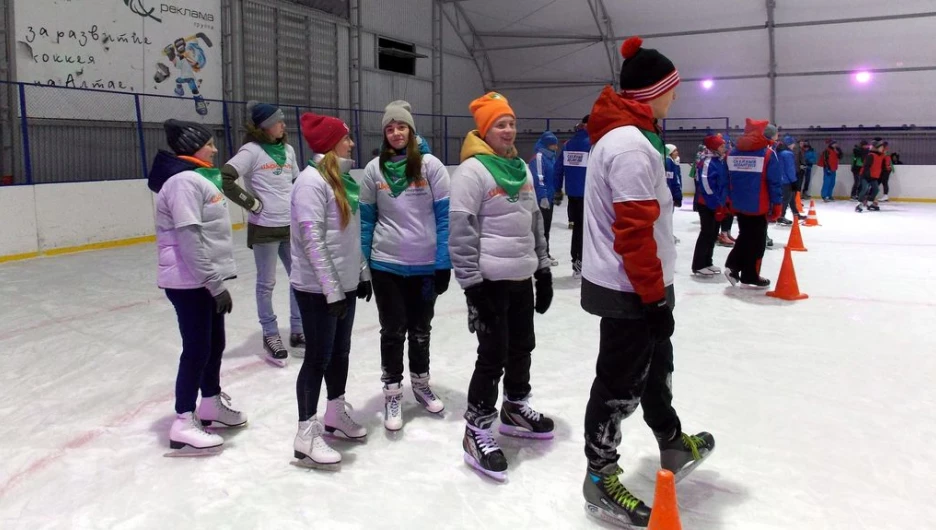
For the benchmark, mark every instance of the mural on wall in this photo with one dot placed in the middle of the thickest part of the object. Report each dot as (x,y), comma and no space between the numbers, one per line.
(162,47)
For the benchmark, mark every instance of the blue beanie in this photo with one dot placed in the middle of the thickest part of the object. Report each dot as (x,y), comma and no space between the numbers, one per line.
(264,115)
(789,140)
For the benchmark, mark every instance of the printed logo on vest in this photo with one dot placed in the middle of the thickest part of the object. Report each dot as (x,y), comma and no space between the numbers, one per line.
(575,158)
(746,163)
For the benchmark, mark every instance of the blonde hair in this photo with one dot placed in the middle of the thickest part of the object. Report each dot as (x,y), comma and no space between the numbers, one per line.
(331,171)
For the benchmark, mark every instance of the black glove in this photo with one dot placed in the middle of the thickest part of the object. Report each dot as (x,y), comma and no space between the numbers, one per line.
(442,279)
(544,290)
(660,319)
(338,309)
(482,316)
(223,302)
(557,198)
(365,291)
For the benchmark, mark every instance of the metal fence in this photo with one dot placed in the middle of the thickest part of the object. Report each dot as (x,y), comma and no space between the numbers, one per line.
(62,134)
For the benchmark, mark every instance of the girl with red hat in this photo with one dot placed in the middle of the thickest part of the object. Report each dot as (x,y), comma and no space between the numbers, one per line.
(327,276)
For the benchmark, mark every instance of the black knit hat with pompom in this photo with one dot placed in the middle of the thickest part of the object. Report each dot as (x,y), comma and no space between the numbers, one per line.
(646,74)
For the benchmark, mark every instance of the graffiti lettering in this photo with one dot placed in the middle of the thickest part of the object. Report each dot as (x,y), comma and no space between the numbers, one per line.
(138,8)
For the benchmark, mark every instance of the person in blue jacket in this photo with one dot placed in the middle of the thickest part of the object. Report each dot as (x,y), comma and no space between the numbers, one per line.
(755,191)
(787,157)
(711,178)
(810,158)
(571,172)
(674,175)
(543,168)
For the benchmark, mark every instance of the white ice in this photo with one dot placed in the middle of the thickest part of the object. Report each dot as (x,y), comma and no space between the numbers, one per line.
(822,409)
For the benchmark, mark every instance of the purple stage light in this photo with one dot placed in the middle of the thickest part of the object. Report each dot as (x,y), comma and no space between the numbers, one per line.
(863,77)
(707,84)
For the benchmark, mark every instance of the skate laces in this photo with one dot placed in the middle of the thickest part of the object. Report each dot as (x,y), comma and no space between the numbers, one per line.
(425,390)
(619,493)
(275,342)
(344,416)
(394,402)
(527,412)
(485,440)
(224,401)
(693,443)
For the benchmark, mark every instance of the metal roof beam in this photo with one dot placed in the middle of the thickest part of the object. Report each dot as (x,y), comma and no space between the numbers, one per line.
(606,29)
(534,45)
(528,35)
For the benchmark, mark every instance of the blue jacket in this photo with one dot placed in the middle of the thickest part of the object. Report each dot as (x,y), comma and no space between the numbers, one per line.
(810,157)
(711,181)
(543,168)
(573,162)
(754,178)
(674,180)
(788,162)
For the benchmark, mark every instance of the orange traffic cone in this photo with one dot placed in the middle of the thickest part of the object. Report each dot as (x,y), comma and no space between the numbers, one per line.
(665,513)
(811,219)
(799,202)
(787,288)
(796,238)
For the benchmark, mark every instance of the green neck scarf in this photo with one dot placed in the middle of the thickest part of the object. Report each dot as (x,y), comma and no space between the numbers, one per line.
(352,190)
(395,175)
(213,175)
(509,173)
(276,151)
(657,143)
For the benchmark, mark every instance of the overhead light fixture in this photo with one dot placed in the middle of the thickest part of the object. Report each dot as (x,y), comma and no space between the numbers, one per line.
(863,77)
(707,84)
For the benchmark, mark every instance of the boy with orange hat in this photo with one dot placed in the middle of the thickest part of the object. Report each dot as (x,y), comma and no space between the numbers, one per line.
(497,245)
(628,270)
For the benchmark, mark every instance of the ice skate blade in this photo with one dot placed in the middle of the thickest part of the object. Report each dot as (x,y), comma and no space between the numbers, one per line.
(752,287)
(214,424)
(731,279)
(603,515)
(520,432)
(334,433)
(500,476)
(306,462)
(187,451)
(691,466)
(279,363)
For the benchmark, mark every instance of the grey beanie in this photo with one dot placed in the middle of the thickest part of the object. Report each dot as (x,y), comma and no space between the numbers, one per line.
(398,110)
(771,131)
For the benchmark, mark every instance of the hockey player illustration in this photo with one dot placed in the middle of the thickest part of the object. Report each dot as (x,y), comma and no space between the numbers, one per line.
(188,56)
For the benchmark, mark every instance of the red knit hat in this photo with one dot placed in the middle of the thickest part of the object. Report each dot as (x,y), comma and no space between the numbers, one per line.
(713,142)
(755,126)
(322,133)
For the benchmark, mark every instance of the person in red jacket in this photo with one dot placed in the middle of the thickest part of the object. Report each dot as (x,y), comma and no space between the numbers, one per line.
(829,162)
(629,259)
(871,176)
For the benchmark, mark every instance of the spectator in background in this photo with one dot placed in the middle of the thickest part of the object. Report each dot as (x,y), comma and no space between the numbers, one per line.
(788,163)
(809,160)
(829,162)
(674,174)
(870,177)
(571,170)
(543,168)
(859,152)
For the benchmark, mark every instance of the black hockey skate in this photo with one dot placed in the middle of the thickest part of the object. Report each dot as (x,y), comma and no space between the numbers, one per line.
(684,453)
(607,499)
(483,453)
(521,421)
(274,351)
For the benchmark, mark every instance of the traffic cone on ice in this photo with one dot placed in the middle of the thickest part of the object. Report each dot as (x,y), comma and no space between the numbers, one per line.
(795,242)
(799,202)
(811,219)
(665,513)
(787,288)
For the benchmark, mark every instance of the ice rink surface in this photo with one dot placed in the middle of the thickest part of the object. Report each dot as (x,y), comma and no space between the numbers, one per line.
(822,409)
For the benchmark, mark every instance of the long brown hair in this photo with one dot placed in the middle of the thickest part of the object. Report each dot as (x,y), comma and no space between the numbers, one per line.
(331,171)
(413,156)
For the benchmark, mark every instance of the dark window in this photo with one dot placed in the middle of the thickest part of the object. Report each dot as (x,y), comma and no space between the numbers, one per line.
(396,56)
(339,8)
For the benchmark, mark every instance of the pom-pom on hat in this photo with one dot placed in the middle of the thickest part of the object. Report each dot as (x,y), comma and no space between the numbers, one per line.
(322,133)
(487,109)
(713,142)
(646,74)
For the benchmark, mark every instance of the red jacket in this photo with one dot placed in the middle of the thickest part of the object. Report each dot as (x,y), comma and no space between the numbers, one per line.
(829,159)
(873,165)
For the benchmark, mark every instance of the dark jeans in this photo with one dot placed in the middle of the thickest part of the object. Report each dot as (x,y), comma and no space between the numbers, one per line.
(856,185)
(505,349)
(547,222)
(405,306)
(202,329)
(869,190)
(885,181)
(328,343)
(576,215)
(633,368)
(727,223)
(789,200)
(705,243)
(807,178)
(745,257)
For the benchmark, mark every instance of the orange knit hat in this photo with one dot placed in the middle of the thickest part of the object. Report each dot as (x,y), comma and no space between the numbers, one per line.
(487,109)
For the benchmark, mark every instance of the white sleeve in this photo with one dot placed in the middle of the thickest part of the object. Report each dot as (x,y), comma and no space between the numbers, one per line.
(245,161)
(630,177)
